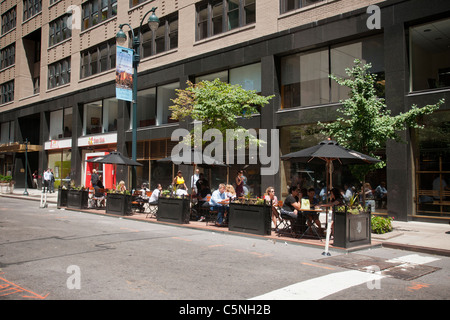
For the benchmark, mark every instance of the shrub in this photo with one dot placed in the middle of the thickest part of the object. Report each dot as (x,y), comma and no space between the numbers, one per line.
(381,225)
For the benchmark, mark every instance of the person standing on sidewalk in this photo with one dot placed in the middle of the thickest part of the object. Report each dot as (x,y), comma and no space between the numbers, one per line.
(46,180)
(52,181)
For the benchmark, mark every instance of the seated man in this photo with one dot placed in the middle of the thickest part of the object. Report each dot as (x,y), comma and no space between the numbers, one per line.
(291,205)
(216,202)
(155,195)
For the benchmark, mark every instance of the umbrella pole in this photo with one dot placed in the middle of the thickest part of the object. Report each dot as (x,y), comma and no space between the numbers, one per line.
(327,241)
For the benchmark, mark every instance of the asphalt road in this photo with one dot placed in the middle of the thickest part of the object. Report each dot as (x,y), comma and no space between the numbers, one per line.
(67,255)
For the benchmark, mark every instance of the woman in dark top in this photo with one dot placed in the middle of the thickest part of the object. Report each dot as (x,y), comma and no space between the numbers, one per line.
(240,184)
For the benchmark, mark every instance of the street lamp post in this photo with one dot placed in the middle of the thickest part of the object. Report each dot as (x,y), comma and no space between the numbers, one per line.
(153,23)
(25,193)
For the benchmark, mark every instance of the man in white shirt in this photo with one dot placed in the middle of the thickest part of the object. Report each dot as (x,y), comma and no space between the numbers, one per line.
(194,180)
(155,195)
(47,178)
(218,199)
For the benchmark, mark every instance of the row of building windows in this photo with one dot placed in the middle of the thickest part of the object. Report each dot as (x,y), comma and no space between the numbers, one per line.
(304,76)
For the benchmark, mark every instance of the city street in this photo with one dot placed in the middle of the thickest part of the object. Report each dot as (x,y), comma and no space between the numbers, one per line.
(57,254)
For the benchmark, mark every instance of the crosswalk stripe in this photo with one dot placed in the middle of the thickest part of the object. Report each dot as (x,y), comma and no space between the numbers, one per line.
(321,287)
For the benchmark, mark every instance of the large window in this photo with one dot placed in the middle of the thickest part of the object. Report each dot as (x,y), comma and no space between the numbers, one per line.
(98,59)
(59,73)
(96,11)
(31,8)
(9,20)
(249,76)
(305,76)
(218,16)
(146,107)
(7,132)
(7,92)
(8,56)
(304,79)
(59,30)
(433,166)
(430,55)
(289,5)
(165,94)
(100,116)
(60,124)
(163,39)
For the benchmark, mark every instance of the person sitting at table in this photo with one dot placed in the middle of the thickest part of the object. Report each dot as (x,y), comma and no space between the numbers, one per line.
(271,198)
(155,195)
(181,190)
(144,190)
(312,217)
(336,199)
(121,186)
(218,203)
(229,191)
(291,205)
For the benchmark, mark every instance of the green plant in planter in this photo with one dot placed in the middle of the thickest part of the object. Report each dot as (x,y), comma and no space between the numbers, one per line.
(381,225)
(353,206)
(75,187)
(165,193)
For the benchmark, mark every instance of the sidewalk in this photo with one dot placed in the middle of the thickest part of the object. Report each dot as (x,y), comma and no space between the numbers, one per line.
(425,237)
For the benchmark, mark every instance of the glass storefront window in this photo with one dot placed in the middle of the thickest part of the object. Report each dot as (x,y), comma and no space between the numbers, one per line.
(430,55)
(249,77)
(165,94)
(146,108)
(304,79)
(433,166)
(110,109)
(368,50)
(60,162)
(60,124)
(100,116)
(92,117)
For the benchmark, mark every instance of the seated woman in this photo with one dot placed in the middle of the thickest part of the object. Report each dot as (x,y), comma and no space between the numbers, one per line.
(272,199)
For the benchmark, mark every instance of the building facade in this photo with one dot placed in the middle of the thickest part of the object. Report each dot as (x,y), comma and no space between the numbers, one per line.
(57,85)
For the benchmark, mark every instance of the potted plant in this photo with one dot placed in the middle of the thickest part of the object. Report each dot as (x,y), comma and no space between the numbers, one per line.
(6,184)
(118,202)
(352,225)
(174,209)
(77,196)
(250,216)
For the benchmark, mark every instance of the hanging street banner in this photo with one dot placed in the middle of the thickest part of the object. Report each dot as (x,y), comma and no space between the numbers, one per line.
(124,74)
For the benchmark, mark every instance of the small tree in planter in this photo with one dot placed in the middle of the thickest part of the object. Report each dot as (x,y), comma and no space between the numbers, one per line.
(7,184)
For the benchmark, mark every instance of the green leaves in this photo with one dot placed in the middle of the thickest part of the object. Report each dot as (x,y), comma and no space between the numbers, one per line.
(218,105)
(365,123)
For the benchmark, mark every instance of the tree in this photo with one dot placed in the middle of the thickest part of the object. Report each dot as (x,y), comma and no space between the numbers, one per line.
(365,123)
(216,104)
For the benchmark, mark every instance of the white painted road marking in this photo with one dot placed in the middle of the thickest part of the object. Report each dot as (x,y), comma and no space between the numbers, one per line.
(321,287)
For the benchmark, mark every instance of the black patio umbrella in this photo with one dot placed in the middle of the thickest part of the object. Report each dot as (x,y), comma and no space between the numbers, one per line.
(328,151)
(115,158)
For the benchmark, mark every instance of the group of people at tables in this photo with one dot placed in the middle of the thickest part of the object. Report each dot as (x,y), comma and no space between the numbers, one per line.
(219,199)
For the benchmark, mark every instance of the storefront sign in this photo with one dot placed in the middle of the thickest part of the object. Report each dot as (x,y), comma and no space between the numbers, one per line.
(58,144)
(124,74)
(97,140)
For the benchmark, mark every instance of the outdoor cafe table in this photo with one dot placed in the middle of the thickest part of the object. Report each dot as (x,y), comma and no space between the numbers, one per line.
(311,227)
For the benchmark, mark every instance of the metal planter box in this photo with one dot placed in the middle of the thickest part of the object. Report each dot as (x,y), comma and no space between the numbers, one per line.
(62,197)
(250,218)
(173,210)
(351,230)
(117,203)
(77,199)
